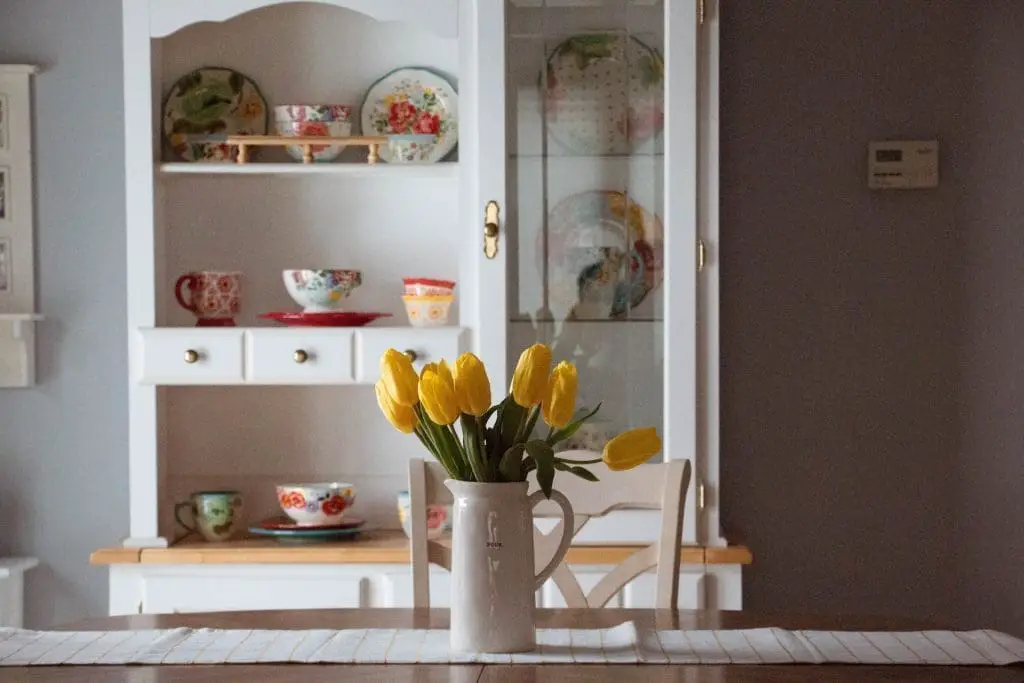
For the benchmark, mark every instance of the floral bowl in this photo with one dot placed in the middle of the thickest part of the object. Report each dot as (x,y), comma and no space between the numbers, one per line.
(301,113)
(439,517)
(320,291)
(409,149)
(321,504)
(427,311)
(320,129)
(422,286)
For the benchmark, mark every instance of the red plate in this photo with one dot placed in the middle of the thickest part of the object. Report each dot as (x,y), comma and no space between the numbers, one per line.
(331,319)
(288,524)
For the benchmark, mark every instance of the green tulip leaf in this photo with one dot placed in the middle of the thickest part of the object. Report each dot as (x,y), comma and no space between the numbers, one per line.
(543,455)
(572,427)
(512,464)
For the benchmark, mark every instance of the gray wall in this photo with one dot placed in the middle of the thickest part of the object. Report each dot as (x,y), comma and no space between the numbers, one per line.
(871,363)
(871,356)
(63,445)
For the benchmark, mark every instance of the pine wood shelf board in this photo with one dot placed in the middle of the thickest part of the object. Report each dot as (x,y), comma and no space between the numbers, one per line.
(384,547)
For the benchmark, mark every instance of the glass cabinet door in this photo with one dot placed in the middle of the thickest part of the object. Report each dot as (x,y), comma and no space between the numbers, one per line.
(599,209)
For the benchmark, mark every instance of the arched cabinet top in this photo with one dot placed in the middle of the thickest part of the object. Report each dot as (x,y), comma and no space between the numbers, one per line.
(168,16)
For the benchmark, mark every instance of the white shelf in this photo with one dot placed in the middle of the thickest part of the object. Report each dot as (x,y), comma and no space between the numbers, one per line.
(444,169)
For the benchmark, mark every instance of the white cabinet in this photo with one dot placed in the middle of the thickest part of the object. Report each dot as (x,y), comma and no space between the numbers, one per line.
(12,589)
(576,210)
(187,357)
(299,356)
(156,589)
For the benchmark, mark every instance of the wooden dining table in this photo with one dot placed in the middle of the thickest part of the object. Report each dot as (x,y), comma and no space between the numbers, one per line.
(517,673)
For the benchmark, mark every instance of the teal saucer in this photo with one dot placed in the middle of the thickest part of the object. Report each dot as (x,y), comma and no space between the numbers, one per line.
(298,535)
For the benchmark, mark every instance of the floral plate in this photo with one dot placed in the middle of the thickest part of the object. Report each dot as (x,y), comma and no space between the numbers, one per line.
(604,94)
(605,253)
(413,102)
(211,102)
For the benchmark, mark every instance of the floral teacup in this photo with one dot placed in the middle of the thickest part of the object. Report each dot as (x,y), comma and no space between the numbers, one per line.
(439,517)
(320,291)
(316,504)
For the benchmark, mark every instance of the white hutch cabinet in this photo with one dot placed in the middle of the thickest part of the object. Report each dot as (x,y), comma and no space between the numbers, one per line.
(579,209)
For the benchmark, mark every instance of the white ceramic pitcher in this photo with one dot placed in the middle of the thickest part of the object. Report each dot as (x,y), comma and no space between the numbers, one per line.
(493,580)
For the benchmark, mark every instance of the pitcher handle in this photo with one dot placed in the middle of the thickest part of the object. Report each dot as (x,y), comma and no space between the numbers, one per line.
(568,527)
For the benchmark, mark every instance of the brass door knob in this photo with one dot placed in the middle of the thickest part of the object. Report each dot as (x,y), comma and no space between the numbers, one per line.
(492,217)
(191,356)
(411,355)
(300,356)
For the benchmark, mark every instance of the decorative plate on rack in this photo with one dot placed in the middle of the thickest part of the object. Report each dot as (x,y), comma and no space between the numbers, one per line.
(413,102)
(211,102)
(604,254)
(329,319)
(604,94)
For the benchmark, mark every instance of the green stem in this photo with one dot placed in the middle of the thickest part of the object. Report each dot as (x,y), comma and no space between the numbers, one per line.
(528,418)
(469,438)
(432,435)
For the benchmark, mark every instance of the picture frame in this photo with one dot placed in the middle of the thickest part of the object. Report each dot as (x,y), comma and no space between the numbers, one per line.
(5,117)
(5,194)
(6,285)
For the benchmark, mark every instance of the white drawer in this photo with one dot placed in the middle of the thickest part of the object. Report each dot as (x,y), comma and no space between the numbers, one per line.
(429,345)
(191,356)
(299,356)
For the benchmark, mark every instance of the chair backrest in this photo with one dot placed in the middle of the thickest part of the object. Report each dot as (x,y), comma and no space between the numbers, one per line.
(654,486)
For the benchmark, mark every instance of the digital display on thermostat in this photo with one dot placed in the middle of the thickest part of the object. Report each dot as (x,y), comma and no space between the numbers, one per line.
(889,155)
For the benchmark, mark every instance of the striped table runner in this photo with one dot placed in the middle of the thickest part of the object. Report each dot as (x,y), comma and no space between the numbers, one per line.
(623,644)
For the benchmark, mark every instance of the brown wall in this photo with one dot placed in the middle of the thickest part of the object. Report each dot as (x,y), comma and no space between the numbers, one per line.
(871,341)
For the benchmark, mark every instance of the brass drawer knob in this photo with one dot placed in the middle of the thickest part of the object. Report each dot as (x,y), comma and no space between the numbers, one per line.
(300,356)
(411,355)
(191,356)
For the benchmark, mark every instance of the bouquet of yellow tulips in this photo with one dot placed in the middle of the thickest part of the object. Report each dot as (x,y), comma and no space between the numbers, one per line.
(497,442)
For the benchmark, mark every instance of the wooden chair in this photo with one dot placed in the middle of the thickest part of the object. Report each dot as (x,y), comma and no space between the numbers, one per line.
(658,486)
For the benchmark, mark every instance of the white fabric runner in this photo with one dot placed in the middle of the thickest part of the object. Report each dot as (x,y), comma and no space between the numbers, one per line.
(623,644)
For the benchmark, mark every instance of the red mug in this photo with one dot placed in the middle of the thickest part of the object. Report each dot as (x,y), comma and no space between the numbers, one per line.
(214,297)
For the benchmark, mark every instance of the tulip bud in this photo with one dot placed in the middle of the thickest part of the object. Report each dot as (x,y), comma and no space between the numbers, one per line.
(632,448)
(399,377)
(437,394)
(560,400)
(472,387)
(402,418)
(530,379)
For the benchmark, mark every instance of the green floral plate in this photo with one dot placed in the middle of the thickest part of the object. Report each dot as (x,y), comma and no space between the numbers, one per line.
(604,94)
(207,104)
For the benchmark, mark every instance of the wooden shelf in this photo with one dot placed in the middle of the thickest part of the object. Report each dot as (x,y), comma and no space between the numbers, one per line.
(383,547)
(444,169)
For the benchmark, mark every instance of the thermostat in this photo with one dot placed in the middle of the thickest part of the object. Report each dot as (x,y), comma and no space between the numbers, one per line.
(903,164)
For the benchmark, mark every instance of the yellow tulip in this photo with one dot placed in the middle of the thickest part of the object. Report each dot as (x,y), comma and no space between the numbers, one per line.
(402,418)
(530,379)
(560,401)
(399,377)
(632,448)
(437,394)
(472,388)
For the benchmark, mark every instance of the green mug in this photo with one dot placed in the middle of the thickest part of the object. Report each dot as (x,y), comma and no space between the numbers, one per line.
(215,514)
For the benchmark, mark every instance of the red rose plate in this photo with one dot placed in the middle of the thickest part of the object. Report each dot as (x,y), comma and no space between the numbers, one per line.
(330,319)
(288,524)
